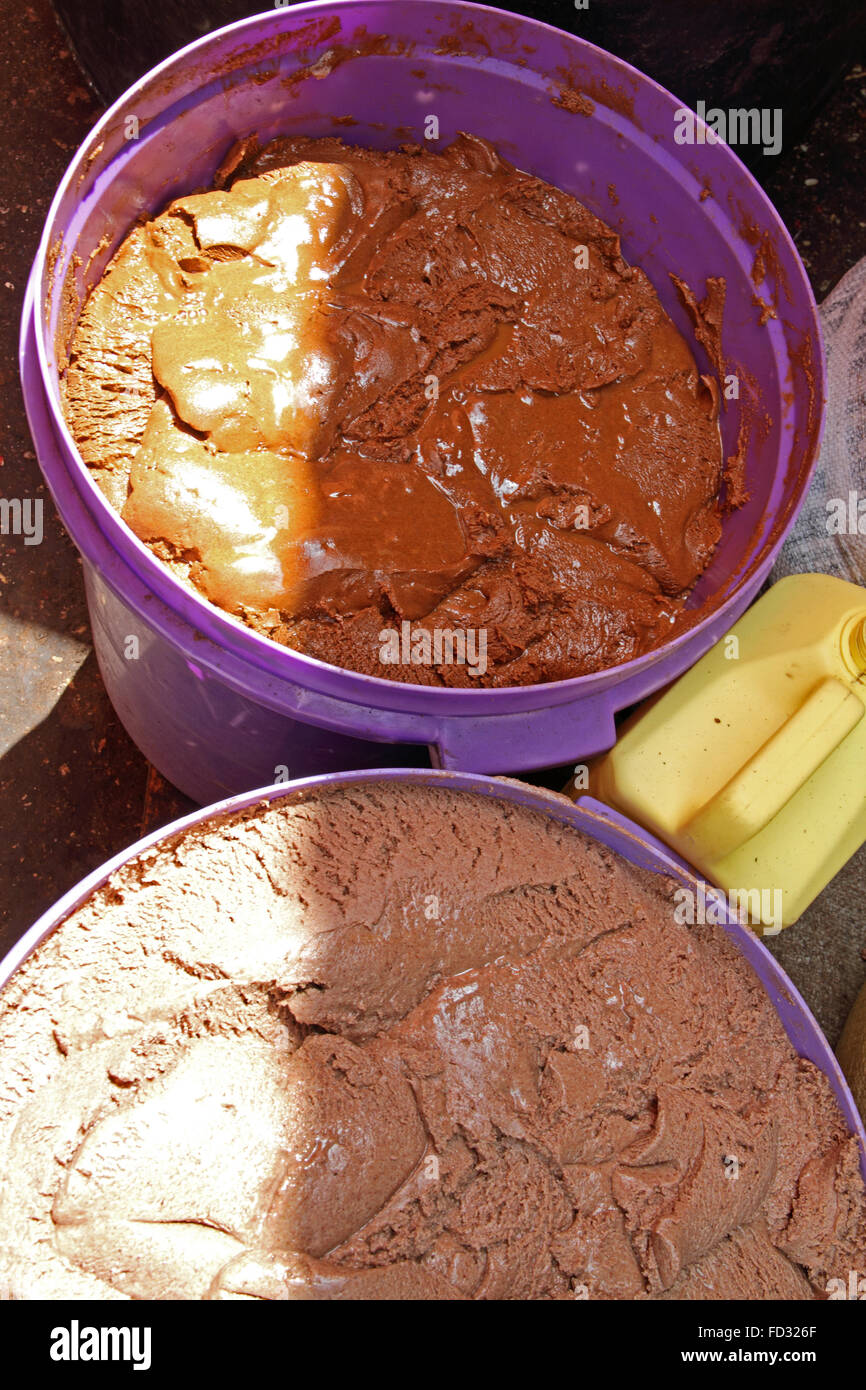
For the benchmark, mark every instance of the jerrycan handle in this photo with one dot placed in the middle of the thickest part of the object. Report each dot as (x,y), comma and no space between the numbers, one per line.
(777,771)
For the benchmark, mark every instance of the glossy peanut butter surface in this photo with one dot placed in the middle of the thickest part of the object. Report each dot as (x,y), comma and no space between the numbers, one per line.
(405,387)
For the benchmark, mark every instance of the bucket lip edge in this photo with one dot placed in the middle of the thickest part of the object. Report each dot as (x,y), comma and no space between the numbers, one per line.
(509,789)
(285,663)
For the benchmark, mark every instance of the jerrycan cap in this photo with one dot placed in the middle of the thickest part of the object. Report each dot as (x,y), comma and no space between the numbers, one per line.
(854,645)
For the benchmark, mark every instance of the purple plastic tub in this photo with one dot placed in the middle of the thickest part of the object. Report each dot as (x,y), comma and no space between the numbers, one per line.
(218,708)
(588,815)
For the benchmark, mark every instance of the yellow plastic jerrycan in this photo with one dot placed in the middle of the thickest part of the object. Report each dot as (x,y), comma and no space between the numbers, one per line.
(752,766)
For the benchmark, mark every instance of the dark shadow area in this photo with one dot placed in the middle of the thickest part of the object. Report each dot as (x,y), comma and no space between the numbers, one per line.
(73,792)
(746,53)
(47,111)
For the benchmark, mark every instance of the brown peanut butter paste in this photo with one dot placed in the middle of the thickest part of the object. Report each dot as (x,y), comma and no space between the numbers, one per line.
(303,1052)
(350,390)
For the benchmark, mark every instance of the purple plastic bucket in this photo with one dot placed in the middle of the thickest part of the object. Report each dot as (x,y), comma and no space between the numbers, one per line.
(588,816)
(218,708)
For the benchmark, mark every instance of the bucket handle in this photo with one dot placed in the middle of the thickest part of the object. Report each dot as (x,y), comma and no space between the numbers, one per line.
(534,738)
(778,770)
